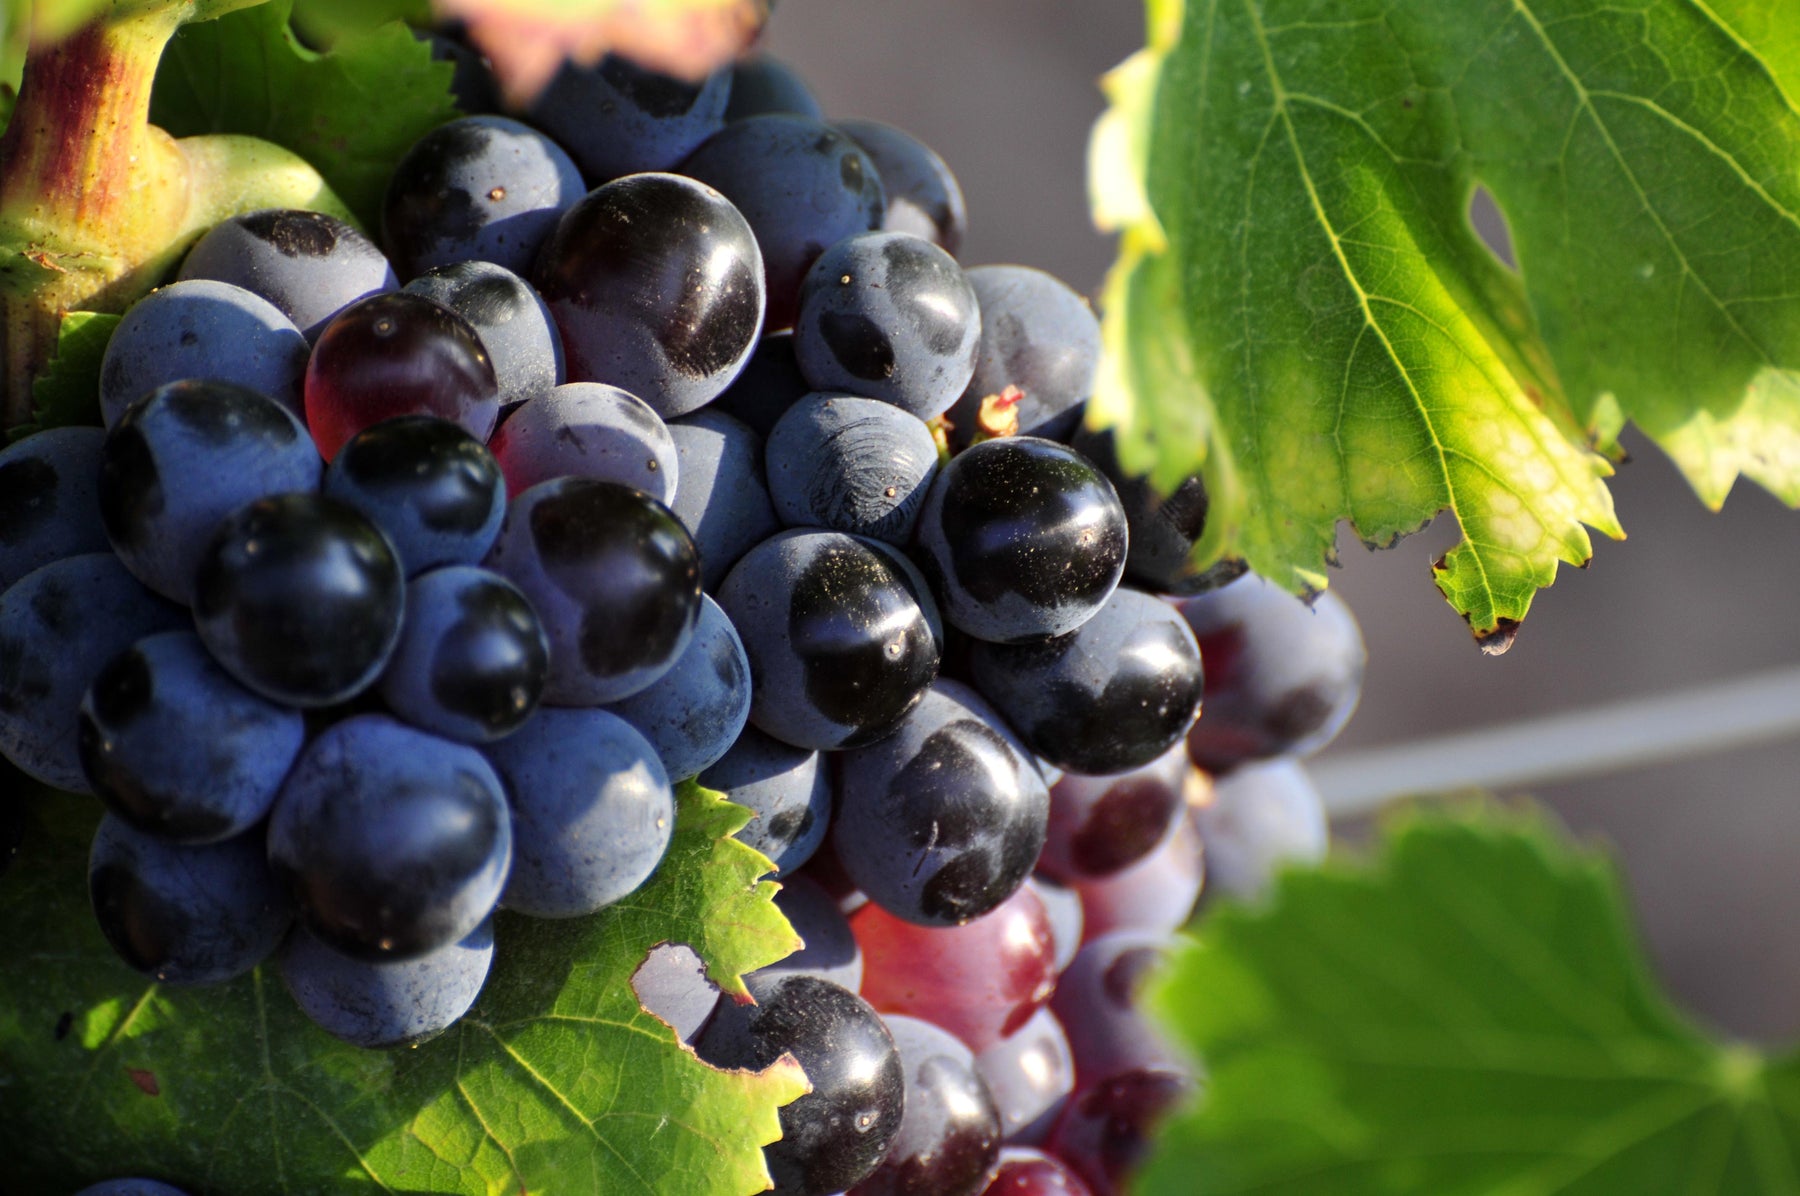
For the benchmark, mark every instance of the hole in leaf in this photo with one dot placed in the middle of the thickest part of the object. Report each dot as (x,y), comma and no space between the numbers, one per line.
(1490,225)
(672,987)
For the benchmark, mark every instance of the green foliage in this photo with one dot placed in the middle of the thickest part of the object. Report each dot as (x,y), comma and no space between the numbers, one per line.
(1467,1015)
(557,1081)
(351,112)
(69,391)
(1302,304)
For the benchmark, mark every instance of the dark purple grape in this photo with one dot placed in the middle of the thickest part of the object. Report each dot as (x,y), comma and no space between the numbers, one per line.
(50,500)
(923,197)
(762,85)
(393,842)
(787,791)
(472,82)
(1157,893)
(617,118)
(435,491)
(770,383)
(300,598)
(130,1187)
(1030,1073)
(1022,539)
(723,498)
(835,1135)
(185,914)
(1024,1172)
(1104,1132)
(399,354)
(309,265)
(511,320)
(842,636)
(1099,1002)
(850,464)
(1101,824)
(391,1003)
(831,951)
(1262,817)
(693,713)
(614,578)
(1282,676)
(949,1138)
(587,430)
(942,820)
(1038,335)
(654,284)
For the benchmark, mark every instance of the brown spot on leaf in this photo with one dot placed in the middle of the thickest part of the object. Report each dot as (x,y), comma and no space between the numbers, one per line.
(1498,640)
(145,1080)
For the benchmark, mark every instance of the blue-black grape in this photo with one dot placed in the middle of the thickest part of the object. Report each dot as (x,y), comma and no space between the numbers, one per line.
(850,464)
(1108,697)
(787,791)
(472,657)
(202,329)
(835,1135)
(392,842)
(889,316)
(482,188)
(801,184)
(472,82)
(435,491)
(177,748)
(511,320)
(1039,335)
(841,632)
(308,264)
(50,500)
(389,1003)
(184,457)
(942,820)
(59,625)
(300,598)
(1022,539)
(617,118)
(949,1138)
(723,499)
(588,430)
(654,283)
(1262,817)
(1030,1073)
(130,1187)
(830,952)
(1100,824)
(185,914)
(923,197)
(693,713)
(614,578)
(761,85)
(770,383)
(592,811)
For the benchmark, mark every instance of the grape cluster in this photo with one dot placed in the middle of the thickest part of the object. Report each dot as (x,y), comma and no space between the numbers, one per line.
(661,435)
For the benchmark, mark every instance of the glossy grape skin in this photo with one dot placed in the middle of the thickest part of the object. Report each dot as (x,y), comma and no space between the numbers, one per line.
(130,1187)
(614,578)
(300,598)
(787,790)
(50,500)
(851,464)
(1104,1131)
(770,383)
(585,429)
(309,265)
(889,316)
(1067,919)
(654,283)
(185,914)
(511,320)
(1262,817)
(435,491)
(393,842)
(202,329)
(801,184)
(981,980)
(184,457)
(1022,539)
(949,1138)
(831,951)
(472,657)
(1110,696)
(941,821)
(693,713)
(593,811)
(1157,893)
(835,1135)
(616,118)
(723,498)
(1101,824)
(1099,1003)
(761,85)
(59,625)
(841,632)
(1038,334)
(1024,1172)
(923,197)
(1030,1073)
(177,748)
(399,354)
(481,188)
(1281,677)
(392,1003)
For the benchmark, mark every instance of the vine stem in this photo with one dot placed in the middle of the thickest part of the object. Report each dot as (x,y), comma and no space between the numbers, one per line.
(1759,708)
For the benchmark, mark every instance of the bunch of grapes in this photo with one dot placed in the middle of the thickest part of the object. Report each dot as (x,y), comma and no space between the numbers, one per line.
(660,436)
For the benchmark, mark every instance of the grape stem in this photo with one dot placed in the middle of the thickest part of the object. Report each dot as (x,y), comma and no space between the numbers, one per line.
(1633,733)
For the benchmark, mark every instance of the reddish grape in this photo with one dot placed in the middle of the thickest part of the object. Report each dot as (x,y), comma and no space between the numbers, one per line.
(980,981)
(1030,1074)
(1098,1003)
(1157,893)
(1104,1132)
(1099,825)
(1063,904)
(1025,1172)
(397,354)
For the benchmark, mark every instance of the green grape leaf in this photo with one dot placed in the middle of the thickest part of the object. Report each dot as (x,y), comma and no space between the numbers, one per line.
(1468,1014)
(557,1080)
(351,112)
(68,392)
(1302,309)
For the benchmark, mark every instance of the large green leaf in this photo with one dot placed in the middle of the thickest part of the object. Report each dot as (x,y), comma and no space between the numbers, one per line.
(1302,304)
(1469,1015)
(557,1081)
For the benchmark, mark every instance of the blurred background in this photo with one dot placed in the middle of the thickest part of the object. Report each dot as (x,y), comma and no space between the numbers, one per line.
(1006,91)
